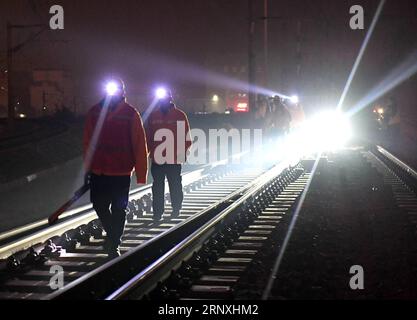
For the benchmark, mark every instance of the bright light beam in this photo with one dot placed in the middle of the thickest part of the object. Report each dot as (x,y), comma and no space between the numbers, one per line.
(96,134)
(277,263)
(199,75)
(149,109)
(360,55)
(400,74)
(220,80)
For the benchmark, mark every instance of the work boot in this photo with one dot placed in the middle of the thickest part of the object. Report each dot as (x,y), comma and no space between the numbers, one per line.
(111,249)
(175,214)
(157,217)
(114,253)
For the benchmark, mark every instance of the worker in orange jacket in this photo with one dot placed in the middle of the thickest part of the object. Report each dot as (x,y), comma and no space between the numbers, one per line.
(169,139)
(114,145)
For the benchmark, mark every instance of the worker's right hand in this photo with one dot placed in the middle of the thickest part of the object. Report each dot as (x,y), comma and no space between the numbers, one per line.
(87,178)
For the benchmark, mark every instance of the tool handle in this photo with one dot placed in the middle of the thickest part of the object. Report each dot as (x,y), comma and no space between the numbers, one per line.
(77,195)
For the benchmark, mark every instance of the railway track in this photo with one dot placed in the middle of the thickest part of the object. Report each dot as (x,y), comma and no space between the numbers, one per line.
(234,256)
(233,222)
(223,259)
(75,244)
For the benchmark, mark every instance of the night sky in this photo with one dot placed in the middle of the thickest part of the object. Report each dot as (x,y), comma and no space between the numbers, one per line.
(171,41)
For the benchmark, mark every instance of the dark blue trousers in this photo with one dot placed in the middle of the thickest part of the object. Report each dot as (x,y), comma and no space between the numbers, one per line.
(110,196)
(173,174)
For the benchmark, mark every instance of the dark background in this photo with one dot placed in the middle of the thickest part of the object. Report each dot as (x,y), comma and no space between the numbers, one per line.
(171,41)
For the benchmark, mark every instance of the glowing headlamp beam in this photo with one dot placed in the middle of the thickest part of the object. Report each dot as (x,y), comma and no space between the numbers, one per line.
(95,136)
(149,109)
(360,55)
(112,88)
(161,93)
(294,99)
(400,74)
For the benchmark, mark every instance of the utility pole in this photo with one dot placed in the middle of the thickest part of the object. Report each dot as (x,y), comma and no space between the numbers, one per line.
(298,53)
(266,42)
(11,111)
(251,57)
(43,99)
(251,52)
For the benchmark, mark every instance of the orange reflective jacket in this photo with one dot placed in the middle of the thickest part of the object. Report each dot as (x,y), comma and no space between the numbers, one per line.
(114,142)
(172,125)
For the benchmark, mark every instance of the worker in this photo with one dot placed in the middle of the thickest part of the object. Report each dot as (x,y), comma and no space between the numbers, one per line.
(167,162)
(114,145)
(279,118)
(297,115)
(259,116)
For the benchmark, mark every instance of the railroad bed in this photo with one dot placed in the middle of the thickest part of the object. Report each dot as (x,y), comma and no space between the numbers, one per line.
(360,212)
(298,235)
(246,234)
(79,250)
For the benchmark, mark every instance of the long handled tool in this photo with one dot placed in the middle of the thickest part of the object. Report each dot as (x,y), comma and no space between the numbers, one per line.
(77,195)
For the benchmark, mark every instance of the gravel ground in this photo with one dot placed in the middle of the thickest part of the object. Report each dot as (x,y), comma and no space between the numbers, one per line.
(349,218)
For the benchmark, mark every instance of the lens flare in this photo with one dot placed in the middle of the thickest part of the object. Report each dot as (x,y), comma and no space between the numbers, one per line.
(361,53)
(397,76)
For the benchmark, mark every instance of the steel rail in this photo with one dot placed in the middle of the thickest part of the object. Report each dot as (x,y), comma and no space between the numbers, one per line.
(397,161)
(145,280)
(157,271)
(112,275)
(26,236)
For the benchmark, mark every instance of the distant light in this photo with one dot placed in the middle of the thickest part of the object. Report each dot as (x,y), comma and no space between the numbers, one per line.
(227,112)
(44,108)
(112,88)
(22,115)
(161,93)
(215,98)
(294,99)
(329,130)
(242,107)
(380,111)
